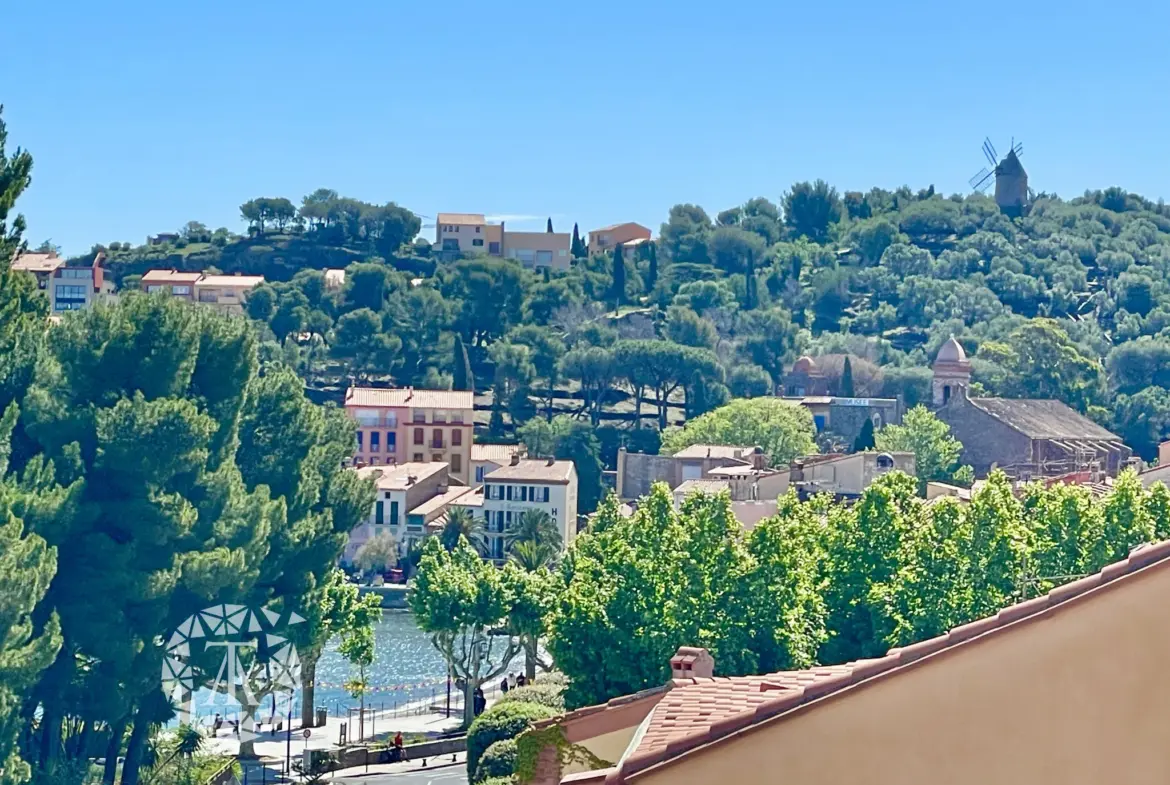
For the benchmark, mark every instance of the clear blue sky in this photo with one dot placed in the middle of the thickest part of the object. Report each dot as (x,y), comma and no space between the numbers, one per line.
(144,115)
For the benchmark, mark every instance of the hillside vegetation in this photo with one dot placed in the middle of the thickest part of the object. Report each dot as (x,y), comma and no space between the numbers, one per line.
(1069,302)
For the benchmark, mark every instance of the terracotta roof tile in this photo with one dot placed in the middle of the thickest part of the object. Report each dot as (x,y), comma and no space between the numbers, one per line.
(716,451)
(1044,419)
(556,472)
(696,712)
(409,397)
(496,453)
(37,262)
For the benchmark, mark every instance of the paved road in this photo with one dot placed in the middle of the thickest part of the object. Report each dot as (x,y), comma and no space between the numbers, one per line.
(454,775)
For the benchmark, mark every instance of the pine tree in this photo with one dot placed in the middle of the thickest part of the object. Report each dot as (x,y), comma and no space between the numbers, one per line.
(22,308)
(865,440)
(618,291)
(461,367)
(577,249)
(847,379)
(550,229)
(27,566)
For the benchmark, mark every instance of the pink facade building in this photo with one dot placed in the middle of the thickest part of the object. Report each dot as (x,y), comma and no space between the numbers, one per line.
(406,425)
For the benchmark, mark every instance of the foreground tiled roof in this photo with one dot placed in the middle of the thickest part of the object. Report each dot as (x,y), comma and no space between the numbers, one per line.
(696,706)
(409,396)
(698,712)
(1044,419)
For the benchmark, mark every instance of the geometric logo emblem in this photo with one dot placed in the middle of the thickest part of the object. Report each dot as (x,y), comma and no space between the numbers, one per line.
(234,662)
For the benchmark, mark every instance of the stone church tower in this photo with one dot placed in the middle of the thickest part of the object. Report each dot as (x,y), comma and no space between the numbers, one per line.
(952,370)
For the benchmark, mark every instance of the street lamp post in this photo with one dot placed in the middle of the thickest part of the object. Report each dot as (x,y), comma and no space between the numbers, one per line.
(288,741)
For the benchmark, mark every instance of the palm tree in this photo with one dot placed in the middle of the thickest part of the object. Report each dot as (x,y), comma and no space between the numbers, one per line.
(532,556)
(461,522)
(534,526)
(188,742)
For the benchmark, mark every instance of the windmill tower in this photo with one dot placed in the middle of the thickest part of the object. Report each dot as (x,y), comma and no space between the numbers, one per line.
(1011,181)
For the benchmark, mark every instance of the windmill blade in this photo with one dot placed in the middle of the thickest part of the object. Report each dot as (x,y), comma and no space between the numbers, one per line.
(1018,149)
(989,151)
(981,180)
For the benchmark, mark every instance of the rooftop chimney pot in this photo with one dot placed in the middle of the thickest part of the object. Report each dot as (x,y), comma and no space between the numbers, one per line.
(691,662)
(515,459)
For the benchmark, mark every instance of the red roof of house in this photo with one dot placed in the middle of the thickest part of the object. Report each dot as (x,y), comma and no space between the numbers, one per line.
(697,712)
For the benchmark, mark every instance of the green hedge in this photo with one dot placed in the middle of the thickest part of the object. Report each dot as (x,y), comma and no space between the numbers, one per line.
(499,781)
(499,760)
(501,721)
(550,693)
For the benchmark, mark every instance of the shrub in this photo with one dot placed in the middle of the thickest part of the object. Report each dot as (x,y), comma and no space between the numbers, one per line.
(546,692)
(499,760)
(498,781)
(502,721)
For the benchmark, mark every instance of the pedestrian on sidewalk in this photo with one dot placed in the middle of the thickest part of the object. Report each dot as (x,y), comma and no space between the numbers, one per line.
(480,702)
(512,680)
(216,724)
(504,685)
(399,749)
(521,681)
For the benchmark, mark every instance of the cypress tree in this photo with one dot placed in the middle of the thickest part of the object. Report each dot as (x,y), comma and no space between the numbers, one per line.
(577,249)
(865,440)
(618,292)
(847,379)
(652,269)
(751,299)
(549,230)
(461,372)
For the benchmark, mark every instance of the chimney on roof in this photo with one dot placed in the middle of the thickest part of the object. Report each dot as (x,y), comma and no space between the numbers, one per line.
(516,458)
(551,461)
(691,662)
(411,479)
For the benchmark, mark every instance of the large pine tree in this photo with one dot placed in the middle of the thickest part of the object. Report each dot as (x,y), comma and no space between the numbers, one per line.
(27,565)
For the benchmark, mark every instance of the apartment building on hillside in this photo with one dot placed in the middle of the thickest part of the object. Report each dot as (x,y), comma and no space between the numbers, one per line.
(176,283)
(629,235)
(77,285)
(470,234)
(228,293)
(400,425)
(547,484)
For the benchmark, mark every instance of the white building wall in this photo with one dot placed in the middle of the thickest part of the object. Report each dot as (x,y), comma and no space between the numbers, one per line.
(561,507)
(369,528)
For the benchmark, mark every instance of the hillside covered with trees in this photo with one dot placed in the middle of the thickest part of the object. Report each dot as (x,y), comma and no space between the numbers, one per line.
(1069,302)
